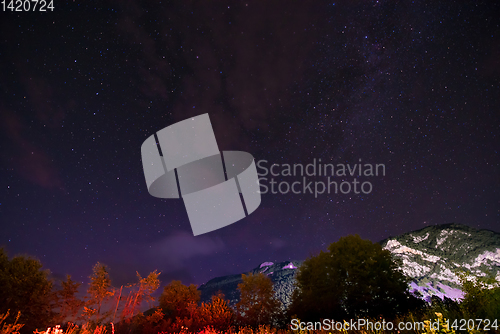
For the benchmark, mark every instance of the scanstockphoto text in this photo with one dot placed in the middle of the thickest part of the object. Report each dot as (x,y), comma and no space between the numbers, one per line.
(318,178)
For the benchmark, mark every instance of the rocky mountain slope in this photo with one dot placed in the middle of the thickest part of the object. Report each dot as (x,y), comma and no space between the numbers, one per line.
(430,257)
(433,255)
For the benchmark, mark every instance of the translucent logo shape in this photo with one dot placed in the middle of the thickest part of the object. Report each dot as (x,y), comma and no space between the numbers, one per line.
(184,161)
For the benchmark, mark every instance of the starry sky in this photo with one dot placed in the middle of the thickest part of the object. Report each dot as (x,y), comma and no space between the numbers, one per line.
(413,85)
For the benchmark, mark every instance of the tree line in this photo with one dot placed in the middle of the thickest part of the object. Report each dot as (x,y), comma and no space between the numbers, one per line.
(27,293)
(353,278)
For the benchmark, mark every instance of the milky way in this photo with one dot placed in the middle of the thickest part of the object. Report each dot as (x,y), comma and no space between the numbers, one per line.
(411,85)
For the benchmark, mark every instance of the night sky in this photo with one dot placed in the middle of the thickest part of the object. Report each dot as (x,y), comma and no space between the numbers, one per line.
(413,85)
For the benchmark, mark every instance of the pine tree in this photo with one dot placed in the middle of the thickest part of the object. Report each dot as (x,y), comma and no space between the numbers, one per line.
(99,292)
(68,303)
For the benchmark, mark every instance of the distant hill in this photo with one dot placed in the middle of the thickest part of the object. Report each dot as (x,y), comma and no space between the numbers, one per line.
(281,273)
(430,257)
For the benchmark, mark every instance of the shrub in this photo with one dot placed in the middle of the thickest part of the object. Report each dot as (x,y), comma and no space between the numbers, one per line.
(10,328)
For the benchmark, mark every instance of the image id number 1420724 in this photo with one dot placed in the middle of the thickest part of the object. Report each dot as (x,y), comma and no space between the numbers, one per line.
(27,5)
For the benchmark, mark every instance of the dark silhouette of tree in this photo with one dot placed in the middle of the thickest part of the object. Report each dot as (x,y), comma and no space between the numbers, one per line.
(258,304)
(355,278)
(24,287)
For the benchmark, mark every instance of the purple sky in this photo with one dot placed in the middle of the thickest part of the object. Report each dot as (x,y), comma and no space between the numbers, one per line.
(414,86)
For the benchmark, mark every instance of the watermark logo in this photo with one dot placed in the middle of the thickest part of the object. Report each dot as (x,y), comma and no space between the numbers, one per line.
(183,161)
(318,178)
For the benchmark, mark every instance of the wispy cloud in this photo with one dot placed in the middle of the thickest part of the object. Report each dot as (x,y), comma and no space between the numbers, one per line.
(182,246)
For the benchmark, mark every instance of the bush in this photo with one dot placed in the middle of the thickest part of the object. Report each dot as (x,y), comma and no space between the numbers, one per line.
(10,328)
(217,314)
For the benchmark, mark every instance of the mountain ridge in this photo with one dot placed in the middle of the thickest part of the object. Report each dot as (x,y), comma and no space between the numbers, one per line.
(433,255)
(430,257)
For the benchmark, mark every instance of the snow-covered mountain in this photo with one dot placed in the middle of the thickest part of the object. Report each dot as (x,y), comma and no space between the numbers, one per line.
(430,257)
(433,255)
(281,273)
